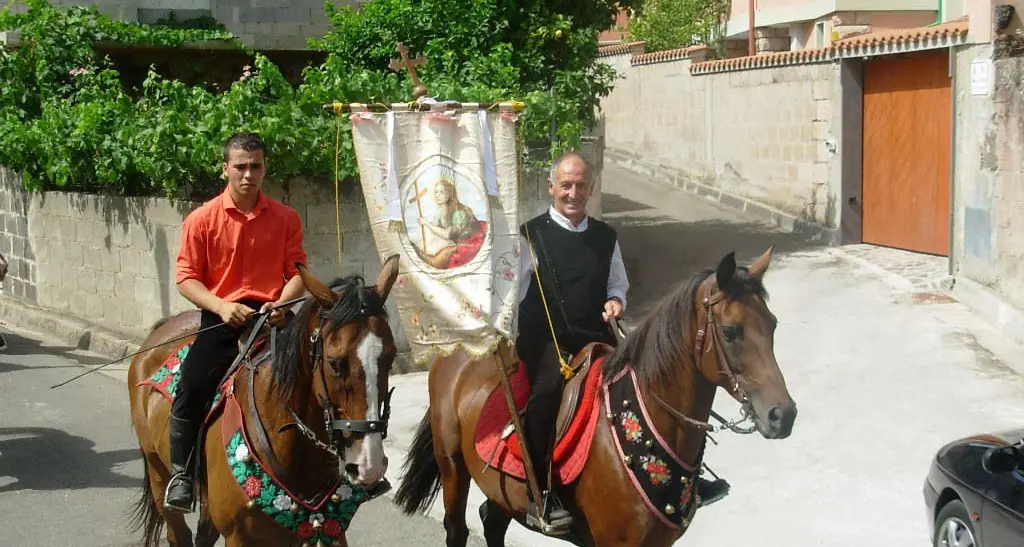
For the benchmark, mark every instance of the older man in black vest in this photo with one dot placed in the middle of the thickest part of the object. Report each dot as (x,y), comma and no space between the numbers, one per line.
(584,284)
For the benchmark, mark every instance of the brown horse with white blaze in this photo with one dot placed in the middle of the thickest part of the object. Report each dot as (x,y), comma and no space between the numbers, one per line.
(657,389)
(295,444)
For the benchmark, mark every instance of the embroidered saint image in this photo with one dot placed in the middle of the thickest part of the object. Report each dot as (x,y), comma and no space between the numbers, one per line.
(447,232)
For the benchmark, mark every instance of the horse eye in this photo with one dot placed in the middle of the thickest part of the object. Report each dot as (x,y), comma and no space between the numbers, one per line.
(732,333)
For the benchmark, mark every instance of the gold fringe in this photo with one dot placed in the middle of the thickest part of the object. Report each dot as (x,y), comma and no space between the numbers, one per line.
(396,226)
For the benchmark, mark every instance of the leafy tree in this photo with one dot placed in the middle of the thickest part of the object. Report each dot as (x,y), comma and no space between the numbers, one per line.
(66,121)
(671,24)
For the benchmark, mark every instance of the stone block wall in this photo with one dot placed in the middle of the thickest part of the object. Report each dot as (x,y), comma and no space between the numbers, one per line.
(110,260)
(762,134)
(260,24)
(15,244)
(988,242)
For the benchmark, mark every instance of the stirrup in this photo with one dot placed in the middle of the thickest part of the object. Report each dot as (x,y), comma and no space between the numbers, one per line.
(537,518)
(175,481)
(718,489)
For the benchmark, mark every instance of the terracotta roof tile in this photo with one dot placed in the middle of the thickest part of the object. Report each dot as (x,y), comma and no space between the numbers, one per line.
(666,55)
(952,29)
(619,49)
(765,59)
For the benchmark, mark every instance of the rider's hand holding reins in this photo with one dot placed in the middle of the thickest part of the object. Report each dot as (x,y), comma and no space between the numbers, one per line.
(277,316)
(612,308)
(235,314)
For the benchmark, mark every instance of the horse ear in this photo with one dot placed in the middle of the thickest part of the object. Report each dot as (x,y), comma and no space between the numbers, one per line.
(321,292)
(760,266)
(726,270)
(387,276)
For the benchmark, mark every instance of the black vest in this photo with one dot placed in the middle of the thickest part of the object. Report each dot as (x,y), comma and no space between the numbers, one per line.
(574,269)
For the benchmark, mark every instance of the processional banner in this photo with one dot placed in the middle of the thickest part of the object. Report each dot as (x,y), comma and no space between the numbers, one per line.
(442,191)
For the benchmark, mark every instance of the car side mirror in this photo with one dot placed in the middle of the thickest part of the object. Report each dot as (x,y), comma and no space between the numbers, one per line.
(1003,459)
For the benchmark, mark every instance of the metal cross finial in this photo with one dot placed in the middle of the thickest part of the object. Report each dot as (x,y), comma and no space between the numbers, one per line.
(418,89)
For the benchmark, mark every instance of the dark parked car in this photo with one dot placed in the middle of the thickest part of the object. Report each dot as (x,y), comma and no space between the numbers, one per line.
(975,492)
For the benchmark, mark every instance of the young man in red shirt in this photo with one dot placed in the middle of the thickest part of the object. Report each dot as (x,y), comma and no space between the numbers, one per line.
(236,251)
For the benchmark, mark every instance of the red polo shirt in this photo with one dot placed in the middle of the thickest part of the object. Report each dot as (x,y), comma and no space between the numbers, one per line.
(241,256)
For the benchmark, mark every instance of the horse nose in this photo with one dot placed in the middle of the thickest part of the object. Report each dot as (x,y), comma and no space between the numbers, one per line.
(780,420)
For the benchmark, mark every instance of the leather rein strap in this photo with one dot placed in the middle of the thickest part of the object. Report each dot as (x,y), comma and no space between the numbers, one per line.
(721,359)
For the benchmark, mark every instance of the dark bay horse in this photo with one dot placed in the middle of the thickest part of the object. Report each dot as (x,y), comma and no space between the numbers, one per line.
(298,440)
(714,331)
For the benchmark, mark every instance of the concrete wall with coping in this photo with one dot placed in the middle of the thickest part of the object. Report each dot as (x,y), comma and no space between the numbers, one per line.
(109,261)
(260,24)
(763,139)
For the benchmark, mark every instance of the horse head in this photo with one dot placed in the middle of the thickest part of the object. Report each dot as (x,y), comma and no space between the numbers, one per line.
(349,349)
(735,346)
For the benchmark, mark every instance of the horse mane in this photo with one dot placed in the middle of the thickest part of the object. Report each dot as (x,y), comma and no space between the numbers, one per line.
(661,343)
(354,300)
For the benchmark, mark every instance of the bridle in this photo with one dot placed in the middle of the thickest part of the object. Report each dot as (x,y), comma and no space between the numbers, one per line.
(724,368)
(343,432)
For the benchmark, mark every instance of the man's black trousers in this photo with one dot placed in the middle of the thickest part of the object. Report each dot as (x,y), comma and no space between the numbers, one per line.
(207,361)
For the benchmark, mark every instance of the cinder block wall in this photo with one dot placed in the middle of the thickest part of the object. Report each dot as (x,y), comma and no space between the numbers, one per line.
(110,261)
(763,134)
(260,24)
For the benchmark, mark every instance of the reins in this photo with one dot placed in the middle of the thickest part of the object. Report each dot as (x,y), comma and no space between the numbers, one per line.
(722,360)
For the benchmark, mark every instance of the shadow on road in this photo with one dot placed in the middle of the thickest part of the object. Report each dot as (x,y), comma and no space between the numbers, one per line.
(20,345)
(41,458)
(661,252)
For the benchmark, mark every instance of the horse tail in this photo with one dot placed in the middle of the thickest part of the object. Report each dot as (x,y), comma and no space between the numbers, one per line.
(145,515)
(421,478)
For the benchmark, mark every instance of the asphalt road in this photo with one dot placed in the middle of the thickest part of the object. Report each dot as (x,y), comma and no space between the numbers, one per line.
(69,462)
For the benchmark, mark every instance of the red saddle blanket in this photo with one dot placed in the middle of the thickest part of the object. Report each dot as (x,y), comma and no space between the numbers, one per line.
(571,451)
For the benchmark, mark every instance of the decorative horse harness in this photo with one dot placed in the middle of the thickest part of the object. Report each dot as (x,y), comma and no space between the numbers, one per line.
(342,432)
(724,368)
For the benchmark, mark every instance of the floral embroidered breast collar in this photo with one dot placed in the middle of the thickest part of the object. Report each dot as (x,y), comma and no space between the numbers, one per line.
(663,480)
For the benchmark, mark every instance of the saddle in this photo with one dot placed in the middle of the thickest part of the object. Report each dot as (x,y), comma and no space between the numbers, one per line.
(580,365)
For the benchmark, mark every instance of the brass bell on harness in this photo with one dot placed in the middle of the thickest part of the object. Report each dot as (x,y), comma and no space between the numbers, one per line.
(625,404)
(250,504)
(335,498)
(649,443)
(294,508)
(670,509)
(628,459)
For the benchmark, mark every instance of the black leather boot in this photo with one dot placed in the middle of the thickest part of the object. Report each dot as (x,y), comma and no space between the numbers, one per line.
(709,492)
(180,494)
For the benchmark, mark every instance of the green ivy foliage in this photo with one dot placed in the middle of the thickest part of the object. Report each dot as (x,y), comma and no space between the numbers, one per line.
(66,122)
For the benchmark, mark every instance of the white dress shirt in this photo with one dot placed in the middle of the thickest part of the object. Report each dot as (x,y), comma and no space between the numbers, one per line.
(617,282)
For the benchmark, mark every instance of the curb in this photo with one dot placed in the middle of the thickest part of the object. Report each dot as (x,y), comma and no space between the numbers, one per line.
(1005,318)
(67,329)
(785,222)
(88,336)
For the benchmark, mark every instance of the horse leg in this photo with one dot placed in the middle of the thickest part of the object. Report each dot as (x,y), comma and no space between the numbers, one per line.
(206,534)
(495,523)
(178,532)
(455,482)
